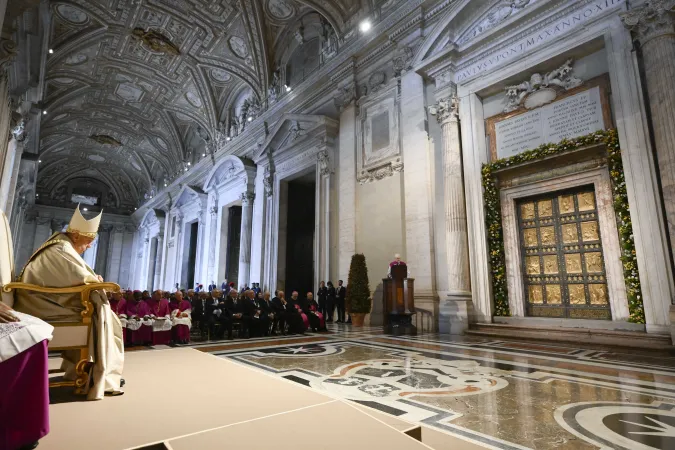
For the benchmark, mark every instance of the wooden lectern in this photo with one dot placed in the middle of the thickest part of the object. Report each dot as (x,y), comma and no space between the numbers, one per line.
(399,302)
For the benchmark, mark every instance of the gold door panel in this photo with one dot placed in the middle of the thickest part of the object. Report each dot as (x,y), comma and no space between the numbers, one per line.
(563,264)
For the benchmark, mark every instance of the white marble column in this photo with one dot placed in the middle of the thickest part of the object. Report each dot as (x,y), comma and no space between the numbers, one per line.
(245,240)
(157,276)
(213,238)
(653,24)
(455,310)
(115,254)
(419,249)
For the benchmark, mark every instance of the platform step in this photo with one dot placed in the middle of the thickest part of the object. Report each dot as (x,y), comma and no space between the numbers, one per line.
(633,339)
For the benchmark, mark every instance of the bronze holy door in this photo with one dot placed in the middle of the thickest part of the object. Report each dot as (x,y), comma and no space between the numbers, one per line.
(562,258)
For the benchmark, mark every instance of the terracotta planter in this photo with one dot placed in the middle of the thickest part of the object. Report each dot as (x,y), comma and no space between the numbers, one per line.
(357,319)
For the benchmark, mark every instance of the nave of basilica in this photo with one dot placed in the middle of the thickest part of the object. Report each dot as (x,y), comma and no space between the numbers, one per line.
(456,219)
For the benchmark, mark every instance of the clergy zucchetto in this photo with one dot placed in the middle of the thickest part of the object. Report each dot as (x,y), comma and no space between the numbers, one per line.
(57,263)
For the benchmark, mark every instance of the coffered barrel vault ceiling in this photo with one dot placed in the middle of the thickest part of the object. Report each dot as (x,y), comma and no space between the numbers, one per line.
(131,83)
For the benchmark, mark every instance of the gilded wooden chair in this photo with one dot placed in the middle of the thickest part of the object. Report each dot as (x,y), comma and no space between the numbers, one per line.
(67,335)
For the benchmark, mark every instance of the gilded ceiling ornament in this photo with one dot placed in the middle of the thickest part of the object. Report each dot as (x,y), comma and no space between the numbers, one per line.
(155,41)
(105,139)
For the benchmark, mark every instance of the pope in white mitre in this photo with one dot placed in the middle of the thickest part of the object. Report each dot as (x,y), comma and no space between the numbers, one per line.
(57,263)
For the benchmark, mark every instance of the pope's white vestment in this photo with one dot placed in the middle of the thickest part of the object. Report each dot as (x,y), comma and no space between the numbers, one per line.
(56,264)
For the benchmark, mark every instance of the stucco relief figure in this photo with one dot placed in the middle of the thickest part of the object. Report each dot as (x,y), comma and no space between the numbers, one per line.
(273,91)
(60,194)
(234,126)
(561,77)
(328,40)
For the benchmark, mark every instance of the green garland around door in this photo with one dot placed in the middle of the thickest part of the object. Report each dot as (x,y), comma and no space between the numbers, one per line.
(493,217)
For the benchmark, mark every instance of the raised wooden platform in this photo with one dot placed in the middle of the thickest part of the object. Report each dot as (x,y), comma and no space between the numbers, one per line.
(612,338)
(186,399)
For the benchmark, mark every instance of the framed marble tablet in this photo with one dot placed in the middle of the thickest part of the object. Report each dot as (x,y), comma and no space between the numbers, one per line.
(548,116)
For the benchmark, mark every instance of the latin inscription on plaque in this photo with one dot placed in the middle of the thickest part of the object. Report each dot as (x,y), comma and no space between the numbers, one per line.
(573,116)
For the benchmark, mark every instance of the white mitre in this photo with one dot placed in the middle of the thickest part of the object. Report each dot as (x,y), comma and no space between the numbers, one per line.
(78,224)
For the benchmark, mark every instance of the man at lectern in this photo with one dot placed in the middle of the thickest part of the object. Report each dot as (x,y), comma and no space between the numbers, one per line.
(397,262)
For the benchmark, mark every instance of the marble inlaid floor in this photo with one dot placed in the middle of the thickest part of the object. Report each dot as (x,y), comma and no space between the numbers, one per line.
(499,394)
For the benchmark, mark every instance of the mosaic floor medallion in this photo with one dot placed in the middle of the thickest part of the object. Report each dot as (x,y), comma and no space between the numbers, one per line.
(621,426)
(381,378)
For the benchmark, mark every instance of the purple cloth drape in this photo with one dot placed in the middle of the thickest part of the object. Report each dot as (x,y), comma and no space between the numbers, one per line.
(24,398)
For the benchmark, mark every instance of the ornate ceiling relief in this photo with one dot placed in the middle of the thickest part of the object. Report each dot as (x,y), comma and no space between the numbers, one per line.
(138,91)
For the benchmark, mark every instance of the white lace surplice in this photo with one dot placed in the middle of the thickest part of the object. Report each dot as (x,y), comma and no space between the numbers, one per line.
(16,337)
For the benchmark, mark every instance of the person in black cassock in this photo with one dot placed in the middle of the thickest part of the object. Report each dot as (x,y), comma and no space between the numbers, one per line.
(238,313)
(258,319)
(322,294)
(330,302)
(288,315)
(315,317)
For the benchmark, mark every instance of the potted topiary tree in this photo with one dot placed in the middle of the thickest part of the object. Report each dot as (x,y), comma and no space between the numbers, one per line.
(358,290)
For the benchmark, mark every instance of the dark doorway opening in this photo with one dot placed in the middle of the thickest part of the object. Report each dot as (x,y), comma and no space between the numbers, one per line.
(233,244)
(300,228)
(192,255)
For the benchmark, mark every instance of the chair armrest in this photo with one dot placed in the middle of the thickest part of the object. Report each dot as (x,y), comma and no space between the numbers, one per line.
(84,290)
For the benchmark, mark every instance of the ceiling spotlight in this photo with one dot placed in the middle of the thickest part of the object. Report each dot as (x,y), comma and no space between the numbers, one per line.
(186,169)
(39,161)
(203,155)
(189,164)
(165,185)
(365,26)
(250,118)
(228,138)
(51,51)
(37,195)
(287,87)
(44,113)
(85,209)
(135,209)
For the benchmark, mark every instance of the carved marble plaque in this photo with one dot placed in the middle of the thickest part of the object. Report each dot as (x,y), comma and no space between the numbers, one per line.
(572,116)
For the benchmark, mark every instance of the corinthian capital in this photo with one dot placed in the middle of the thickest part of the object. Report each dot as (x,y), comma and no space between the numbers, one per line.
(247,198)
(652,19)
(345,97)
(446,110)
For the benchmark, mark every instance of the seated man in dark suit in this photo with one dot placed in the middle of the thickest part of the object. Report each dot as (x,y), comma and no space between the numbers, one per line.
(238,312)
(259,324)
(219,314)
(269,311)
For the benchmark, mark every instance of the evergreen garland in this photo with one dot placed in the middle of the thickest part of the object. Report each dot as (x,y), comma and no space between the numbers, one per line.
(358,292)
(493,216)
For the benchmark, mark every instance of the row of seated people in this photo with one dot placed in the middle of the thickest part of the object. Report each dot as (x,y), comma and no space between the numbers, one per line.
(255,314)
(153,320)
